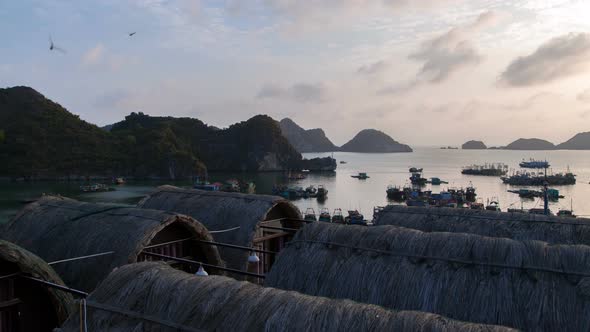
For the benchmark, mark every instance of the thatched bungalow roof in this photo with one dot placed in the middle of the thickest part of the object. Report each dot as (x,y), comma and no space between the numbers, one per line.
(518,226)
(222,211)
(528,285)
(154,297)
(41,308)
(57,228)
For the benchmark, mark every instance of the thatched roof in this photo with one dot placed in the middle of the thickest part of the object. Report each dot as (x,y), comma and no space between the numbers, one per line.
(33,266)
(150,292)
(221,211)
(528,285)
(57,228)
(518,226)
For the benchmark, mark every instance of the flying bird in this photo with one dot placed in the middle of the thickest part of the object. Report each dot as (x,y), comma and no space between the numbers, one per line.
(132,33)
(53,47)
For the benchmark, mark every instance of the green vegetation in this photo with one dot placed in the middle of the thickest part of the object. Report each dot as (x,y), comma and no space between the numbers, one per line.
(43,140)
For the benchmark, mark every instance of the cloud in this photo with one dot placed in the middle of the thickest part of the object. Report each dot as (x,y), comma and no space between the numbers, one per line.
(300,92)
(94,55)
(584,96)
(557,58)
(446,54)
(374,68)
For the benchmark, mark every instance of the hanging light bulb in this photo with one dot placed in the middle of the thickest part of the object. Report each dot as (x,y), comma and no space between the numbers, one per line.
(253,258)
(201,271)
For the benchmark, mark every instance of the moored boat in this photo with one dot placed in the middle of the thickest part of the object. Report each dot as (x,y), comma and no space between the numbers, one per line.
(325,215)
(415,170)
(322,192)
(395,193)
(493,169)
(532,163)
(355,218)
(539,179)
(493,205)
(310,215)
(119,181)
(436,181)
(95,187)
(360,176)
(338,217)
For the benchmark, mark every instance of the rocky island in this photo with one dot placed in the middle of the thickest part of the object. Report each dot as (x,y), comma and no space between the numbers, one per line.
(311,140)
(580,141)
(474,145)
(39,139)
(530,144)
(374,141)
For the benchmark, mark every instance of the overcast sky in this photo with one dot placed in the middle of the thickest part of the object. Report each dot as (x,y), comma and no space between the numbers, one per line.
(427,72)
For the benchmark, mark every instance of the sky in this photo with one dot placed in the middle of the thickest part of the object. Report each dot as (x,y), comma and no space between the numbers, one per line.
(426,72)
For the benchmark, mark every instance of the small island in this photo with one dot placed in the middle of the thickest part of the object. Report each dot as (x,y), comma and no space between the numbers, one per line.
(474,145)
(579,142)
(530,144)
(374,141)
(311,140)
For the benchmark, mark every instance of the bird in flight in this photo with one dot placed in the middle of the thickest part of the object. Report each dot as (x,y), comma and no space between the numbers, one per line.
(131,34)
(53,47)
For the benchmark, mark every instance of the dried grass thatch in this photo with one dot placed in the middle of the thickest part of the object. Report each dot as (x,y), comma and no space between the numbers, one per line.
(33,266)
(518,226)
(223,210)
(528,285)
(155,297)
(57,228)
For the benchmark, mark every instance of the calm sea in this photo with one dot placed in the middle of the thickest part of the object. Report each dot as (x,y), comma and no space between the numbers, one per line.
(346,192)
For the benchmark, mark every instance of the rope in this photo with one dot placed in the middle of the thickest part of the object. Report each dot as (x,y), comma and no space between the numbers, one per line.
(445,259)
(224,230)
(81,257)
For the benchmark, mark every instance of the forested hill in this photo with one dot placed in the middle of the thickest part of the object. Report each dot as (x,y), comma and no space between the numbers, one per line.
(41,139)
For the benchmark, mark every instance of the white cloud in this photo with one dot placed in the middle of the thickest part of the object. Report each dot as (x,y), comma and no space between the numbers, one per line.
(557,58)
(300,92)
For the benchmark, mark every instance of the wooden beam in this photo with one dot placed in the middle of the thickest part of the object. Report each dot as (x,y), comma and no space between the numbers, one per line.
(10,303)
(270,236)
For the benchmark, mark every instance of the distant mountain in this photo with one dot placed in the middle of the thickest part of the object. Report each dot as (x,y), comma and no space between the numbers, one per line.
(311,140)
(530,144)
(39,139)
(579,142)
(474,145)
(374,141)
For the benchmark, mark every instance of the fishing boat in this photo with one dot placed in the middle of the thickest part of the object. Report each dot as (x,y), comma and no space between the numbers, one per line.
(539,179)
(415,170)
(342,162)
(566,214)
(311,191)
(360,176)
(477,205)
(416,202)
(338,217)
(325,215)
(470,194)
(493,169)
(205,185)
(231,185)
(493,205)
(322,192)
(310,215)
(119,181)
(532,163)
(417,179)
(95,187)
(552,194)
(436,181)
(355,218)
(395,193)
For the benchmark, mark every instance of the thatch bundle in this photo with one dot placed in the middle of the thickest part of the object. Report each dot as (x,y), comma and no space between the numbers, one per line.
(57,228)
(14,259)
(528,285)
(154,297)
(518,226)
(222,211)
